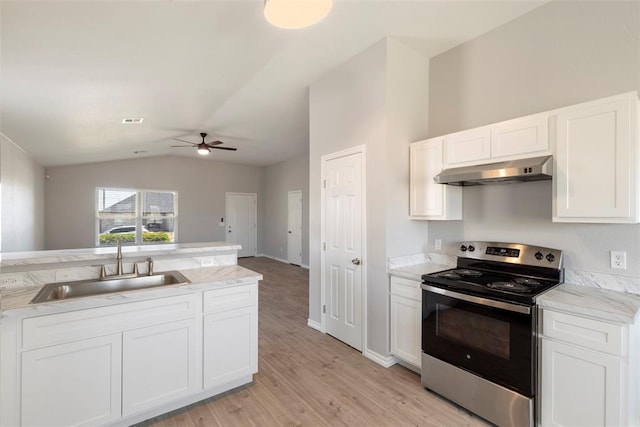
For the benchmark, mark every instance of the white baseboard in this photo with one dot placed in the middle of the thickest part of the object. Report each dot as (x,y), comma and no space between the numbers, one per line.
(279,259)
(386,361)
(315,325)
(305,266)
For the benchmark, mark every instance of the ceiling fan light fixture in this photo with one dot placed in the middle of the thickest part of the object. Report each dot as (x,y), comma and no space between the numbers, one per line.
(295,14)
(203,150)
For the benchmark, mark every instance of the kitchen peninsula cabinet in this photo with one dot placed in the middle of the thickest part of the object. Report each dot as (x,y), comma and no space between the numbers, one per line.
(77,383)
(589,372)
(159,365)
(596,170)
(124,362)
(230,334)
(406,320)
(427,199)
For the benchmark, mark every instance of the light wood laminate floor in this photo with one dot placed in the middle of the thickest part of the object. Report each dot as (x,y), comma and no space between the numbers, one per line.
(306,378)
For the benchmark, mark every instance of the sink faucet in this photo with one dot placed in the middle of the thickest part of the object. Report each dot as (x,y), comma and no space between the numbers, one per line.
(150,266)
(119,269)
(119,259)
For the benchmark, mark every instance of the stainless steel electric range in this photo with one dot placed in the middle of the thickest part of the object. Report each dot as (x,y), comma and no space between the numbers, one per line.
(479,328)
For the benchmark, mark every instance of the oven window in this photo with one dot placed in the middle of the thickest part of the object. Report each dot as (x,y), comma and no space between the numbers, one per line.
(473,330)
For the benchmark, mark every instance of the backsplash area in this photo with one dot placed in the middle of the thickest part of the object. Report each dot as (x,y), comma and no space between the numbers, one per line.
(67,266)
(522,212)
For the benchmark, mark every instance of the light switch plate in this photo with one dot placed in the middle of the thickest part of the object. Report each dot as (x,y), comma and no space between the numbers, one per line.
(437,244)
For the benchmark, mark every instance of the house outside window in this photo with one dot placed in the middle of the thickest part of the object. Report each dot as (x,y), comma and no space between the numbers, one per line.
(135,217)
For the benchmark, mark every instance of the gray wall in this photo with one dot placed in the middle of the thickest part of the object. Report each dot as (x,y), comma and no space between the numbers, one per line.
(377,99)
(22,199)
(557,55)
(280,178)
(347,109)
(201,187)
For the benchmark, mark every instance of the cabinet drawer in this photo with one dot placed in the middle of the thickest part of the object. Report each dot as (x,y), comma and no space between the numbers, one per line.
(75,325)
(584,332)
(406,288)
(219,300)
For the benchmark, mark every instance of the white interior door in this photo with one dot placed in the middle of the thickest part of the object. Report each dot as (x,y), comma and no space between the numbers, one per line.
(343,234)
(294,229)
(242,224)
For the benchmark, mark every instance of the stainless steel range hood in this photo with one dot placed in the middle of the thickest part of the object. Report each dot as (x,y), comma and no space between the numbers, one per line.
(522,170)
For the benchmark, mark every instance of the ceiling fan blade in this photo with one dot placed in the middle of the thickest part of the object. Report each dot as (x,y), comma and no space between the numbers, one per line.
(182,140)
(224,148)
(182,146)
(212,143)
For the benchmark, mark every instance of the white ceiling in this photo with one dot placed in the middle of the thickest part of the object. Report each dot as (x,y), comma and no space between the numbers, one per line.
(71,71)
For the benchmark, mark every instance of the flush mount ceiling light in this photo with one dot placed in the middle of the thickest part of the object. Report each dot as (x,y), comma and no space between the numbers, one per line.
(294,14)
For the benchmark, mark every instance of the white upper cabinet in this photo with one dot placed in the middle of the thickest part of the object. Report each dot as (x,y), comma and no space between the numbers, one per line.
(597,161)
(428,200)
(467,147)
(509,140)
(523,136)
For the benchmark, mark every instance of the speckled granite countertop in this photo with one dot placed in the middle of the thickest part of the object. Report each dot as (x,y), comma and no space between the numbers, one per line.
(601,304)
(16,300)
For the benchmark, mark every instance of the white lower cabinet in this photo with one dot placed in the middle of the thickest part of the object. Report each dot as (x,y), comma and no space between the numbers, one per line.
(406,320)
(124,363)
(230,326)
(589,372)
(230,345)
(580,387)
(159,365)
(77,383)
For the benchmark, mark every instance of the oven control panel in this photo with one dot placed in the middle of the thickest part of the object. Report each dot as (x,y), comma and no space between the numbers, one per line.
(515,253)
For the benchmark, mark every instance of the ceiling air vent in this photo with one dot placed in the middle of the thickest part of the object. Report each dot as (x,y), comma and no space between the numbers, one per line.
(132,120)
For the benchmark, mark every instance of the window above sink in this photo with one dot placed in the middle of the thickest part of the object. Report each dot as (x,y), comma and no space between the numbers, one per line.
(134,216)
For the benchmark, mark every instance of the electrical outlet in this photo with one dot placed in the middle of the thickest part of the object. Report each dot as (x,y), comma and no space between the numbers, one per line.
(206,262)
(619,260)
(10,280)
(437,244)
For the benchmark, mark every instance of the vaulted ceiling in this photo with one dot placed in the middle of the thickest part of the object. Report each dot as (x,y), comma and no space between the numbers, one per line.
(72,71)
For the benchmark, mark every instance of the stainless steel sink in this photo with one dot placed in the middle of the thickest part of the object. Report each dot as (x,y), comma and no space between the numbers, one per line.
(84,288)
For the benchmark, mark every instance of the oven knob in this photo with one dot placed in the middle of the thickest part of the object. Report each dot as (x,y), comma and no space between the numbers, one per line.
(471,248)
(463,248)
(539,255)
(550,257)
(469,356)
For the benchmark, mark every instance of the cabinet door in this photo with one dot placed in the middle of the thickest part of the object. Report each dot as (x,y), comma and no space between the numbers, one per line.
(230,345)
(429,200)
(520,137)
(75,384)
(160,365)
(580,387)
(595,174)
(406,320)
(471,146)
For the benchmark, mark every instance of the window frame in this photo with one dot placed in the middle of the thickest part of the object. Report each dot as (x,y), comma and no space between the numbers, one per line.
(138,218)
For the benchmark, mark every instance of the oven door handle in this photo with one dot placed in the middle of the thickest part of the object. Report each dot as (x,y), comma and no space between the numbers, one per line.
(517,308)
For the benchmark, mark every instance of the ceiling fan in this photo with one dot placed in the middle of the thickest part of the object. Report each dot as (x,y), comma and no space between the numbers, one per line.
(204,148)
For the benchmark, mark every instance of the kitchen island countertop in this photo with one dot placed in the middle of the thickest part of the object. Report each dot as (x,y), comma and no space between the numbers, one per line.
(16,300)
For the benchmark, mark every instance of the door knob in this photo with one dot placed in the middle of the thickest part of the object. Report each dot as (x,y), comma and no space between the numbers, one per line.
(355,261)
(289,231)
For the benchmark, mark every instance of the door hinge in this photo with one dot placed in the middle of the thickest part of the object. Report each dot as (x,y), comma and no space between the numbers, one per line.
(324,309)
(324,183)
(324,246)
